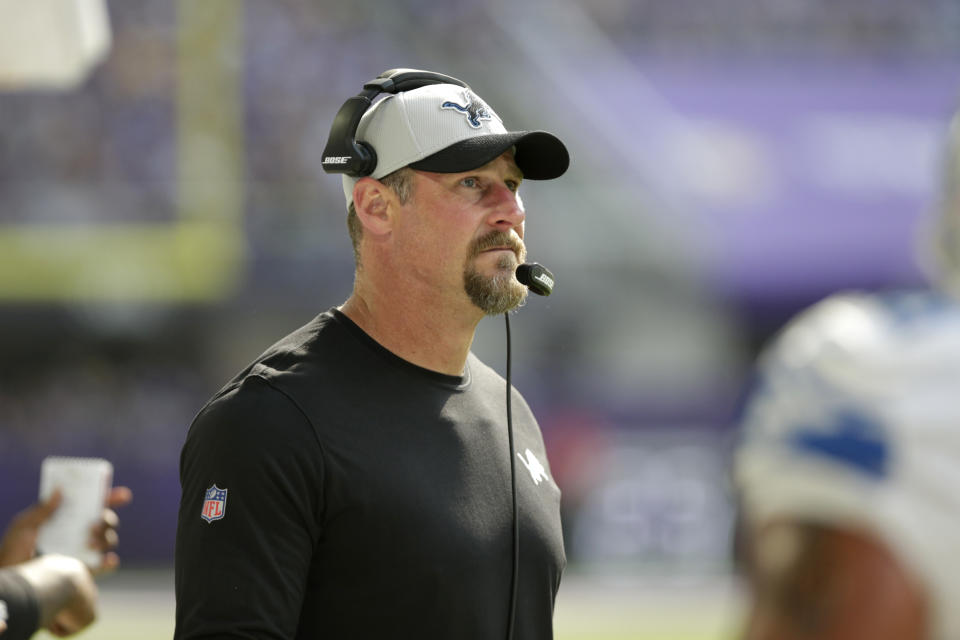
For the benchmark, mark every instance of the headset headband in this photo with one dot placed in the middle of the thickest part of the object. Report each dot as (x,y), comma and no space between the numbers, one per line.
(344,153)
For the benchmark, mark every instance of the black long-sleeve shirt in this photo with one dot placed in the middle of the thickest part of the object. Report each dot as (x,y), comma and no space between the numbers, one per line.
(334,490)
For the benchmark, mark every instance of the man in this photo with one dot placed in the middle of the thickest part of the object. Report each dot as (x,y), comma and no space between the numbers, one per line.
(53,592)
(849,463)
(354,481)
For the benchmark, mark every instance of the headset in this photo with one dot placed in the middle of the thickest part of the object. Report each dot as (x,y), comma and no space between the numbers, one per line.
(345,154)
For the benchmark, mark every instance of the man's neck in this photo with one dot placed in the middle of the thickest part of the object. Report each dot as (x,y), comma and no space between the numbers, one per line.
(415,328)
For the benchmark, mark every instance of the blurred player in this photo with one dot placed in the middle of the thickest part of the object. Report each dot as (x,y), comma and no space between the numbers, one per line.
(354,481)
(849,464)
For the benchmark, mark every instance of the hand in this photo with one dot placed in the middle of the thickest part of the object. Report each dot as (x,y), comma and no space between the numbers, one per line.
(103,535)
(65,592)
(19,543)
(81,609)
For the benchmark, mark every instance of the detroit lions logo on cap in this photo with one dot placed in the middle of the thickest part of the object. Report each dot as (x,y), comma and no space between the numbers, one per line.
(475,110)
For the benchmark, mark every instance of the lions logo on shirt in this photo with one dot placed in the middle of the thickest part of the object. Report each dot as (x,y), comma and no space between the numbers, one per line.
(537,471)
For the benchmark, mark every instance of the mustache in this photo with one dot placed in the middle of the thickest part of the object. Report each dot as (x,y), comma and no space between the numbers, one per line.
(498,239)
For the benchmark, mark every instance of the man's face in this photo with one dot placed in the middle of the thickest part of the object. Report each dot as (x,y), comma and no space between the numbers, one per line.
(819,583)
(464,232)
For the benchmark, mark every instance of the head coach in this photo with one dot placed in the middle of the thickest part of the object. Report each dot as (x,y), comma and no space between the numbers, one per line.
(355,481)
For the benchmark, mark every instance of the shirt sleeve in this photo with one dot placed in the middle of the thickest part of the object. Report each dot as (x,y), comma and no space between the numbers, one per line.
(250,512)
(18,606)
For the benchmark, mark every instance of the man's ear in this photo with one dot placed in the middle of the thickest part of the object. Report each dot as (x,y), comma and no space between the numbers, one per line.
(374,204)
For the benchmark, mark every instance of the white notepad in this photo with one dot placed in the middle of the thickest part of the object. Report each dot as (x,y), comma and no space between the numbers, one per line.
(84,483)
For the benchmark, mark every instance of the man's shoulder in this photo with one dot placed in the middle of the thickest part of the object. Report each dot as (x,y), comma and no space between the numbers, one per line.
(484,379)
(308,344)
(480,370)
(245,405)
(267,385)
(487,385)
(320,345)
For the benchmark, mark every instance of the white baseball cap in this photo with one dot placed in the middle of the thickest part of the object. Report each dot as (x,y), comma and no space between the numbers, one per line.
(446,128)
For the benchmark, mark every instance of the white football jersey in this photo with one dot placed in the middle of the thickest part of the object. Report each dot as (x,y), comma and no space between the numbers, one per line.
(855,420)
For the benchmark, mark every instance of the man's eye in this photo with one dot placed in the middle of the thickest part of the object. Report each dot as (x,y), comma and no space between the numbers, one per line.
(470,182)
(513,185)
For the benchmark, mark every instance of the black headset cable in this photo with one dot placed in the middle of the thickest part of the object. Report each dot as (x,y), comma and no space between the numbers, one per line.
(513,489)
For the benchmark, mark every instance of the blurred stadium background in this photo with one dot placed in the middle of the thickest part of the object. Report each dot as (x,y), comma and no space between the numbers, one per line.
(165,219)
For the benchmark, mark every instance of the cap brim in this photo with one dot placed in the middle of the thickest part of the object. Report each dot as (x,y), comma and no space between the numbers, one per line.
(539,155)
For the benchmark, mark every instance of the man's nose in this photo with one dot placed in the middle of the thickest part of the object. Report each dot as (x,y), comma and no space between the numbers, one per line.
(508,209)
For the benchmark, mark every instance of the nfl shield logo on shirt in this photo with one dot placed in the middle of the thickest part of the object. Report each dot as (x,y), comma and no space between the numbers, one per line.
(214,504)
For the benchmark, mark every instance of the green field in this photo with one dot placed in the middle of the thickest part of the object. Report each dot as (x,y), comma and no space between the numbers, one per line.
(139,605)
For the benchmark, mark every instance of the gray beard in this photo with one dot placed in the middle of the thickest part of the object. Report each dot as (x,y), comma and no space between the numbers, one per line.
(494,294)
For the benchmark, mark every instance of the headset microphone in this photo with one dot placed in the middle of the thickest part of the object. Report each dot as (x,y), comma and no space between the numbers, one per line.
(537,278)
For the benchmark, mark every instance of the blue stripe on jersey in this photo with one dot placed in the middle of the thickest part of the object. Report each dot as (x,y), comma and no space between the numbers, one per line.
(851,439)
